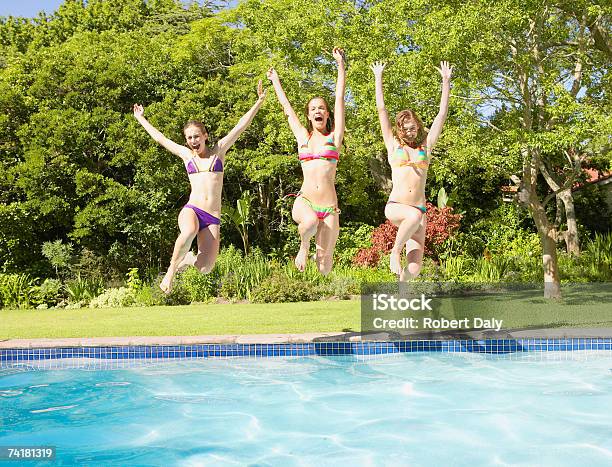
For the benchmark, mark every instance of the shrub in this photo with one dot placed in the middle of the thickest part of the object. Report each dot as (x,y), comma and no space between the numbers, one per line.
(368,257)
(311,273)
(90,265)
(241,277)
(150,295)
(280,288)
(114,298)
(83,290)
(599,254)
(133,280)
(353,237)
(366,274)
(456,268)
(383,238)
(200,287)
(340,286)
(442,224)
(49,292)
(18,291)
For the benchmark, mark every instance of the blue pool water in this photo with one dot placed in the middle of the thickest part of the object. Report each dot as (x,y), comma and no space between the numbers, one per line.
(550,408)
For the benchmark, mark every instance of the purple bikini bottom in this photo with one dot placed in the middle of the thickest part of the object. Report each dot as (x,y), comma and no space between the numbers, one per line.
(204,218)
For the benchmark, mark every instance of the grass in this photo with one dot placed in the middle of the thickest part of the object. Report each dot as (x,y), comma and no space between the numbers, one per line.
(188,320)
(581,307)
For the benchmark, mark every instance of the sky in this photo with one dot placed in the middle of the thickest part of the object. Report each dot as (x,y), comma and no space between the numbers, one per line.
(27,8)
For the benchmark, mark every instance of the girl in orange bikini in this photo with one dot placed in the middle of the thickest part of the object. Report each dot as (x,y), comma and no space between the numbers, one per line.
(199,218)
(316,207)
(409,154)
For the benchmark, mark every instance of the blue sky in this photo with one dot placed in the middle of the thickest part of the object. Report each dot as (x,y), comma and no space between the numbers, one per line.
(28,8)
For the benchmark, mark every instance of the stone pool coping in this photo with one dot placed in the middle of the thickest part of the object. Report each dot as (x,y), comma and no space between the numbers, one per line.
(550,333)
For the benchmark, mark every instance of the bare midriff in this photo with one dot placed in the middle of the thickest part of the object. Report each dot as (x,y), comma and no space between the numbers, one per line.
(206,189)
(319,182)
(408,185)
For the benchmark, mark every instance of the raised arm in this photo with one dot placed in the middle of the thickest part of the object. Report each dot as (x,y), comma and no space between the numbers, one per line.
(339,124)
(225,143)
(181,151)
(436,127)
(383,117)
(297,128)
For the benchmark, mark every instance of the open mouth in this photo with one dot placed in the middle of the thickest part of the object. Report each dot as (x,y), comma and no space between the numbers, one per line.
(318,118)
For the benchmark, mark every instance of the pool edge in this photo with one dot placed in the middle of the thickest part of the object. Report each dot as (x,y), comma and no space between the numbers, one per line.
(329,337)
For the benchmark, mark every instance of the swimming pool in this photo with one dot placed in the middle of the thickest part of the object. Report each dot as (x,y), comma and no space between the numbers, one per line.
(424,408)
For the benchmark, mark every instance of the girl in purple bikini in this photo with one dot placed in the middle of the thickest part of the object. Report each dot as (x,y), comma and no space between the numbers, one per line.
(200,216)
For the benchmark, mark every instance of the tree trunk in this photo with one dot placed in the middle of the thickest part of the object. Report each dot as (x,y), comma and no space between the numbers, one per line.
(552,284)
(571,236)
(548,237)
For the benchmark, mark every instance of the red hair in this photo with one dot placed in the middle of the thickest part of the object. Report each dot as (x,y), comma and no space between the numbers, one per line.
(405,116)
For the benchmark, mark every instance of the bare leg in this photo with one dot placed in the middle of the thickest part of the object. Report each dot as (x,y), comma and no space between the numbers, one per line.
(308,223)
(415,248)
(327,235)
(208,248)
(188,225)
(408,219)
(188,260)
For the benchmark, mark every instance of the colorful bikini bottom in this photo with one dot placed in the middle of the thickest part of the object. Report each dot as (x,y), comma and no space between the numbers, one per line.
(420,207)
(321,211)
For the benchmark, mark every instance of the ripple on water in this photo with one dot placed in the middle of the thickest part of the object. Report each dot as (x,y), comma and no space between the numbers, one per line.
(113,383)
(53,409)
(193,398)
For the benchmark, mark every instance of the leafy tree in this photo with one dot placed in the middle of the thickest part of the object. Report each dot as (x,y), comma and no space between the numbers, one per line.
(58,253)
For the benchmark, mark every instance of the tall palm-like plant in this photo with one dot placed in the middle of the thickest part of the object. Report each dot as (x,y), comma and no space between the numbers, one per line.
(240,217)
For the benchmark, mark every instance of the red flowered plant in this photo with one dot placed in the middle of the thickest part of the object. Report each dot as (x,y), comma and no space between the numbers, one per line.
(441,225)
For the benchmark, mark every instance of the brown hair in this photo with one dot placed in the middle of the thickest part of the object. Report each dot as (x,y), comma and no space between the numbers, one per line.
(197,124)
(329,125)
(409,115)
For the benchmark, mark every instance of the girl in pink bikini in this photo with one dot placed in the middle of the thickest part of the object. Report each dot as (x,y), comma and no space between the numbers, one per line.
(409,154)
(316,207)
(200,216)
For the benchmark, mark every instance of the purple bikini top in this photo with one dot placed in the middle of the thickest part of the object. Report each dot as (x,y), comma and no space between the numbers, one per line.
(216,165)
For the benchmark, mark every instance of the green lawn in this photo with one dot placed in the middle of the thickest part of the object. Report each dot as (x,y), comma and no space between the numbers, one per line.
(579,308)
(188,320)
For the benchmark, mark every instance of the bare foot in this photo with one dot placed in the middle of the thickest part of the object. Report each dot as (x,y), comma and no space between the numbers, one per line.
(395,262)
(188,260)
(300,259)
(166,283)
(404,275)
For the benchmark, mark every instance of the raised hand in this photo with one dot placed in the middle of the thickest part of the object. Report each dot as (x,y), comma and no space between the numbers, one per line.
(445,70)
(272,74)
(377,68)
(138,110)
(338,54)
(261,92)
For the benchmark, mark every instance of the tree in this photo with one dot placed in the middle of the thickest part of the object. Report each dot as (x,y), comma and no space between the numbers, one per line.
(58,253)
